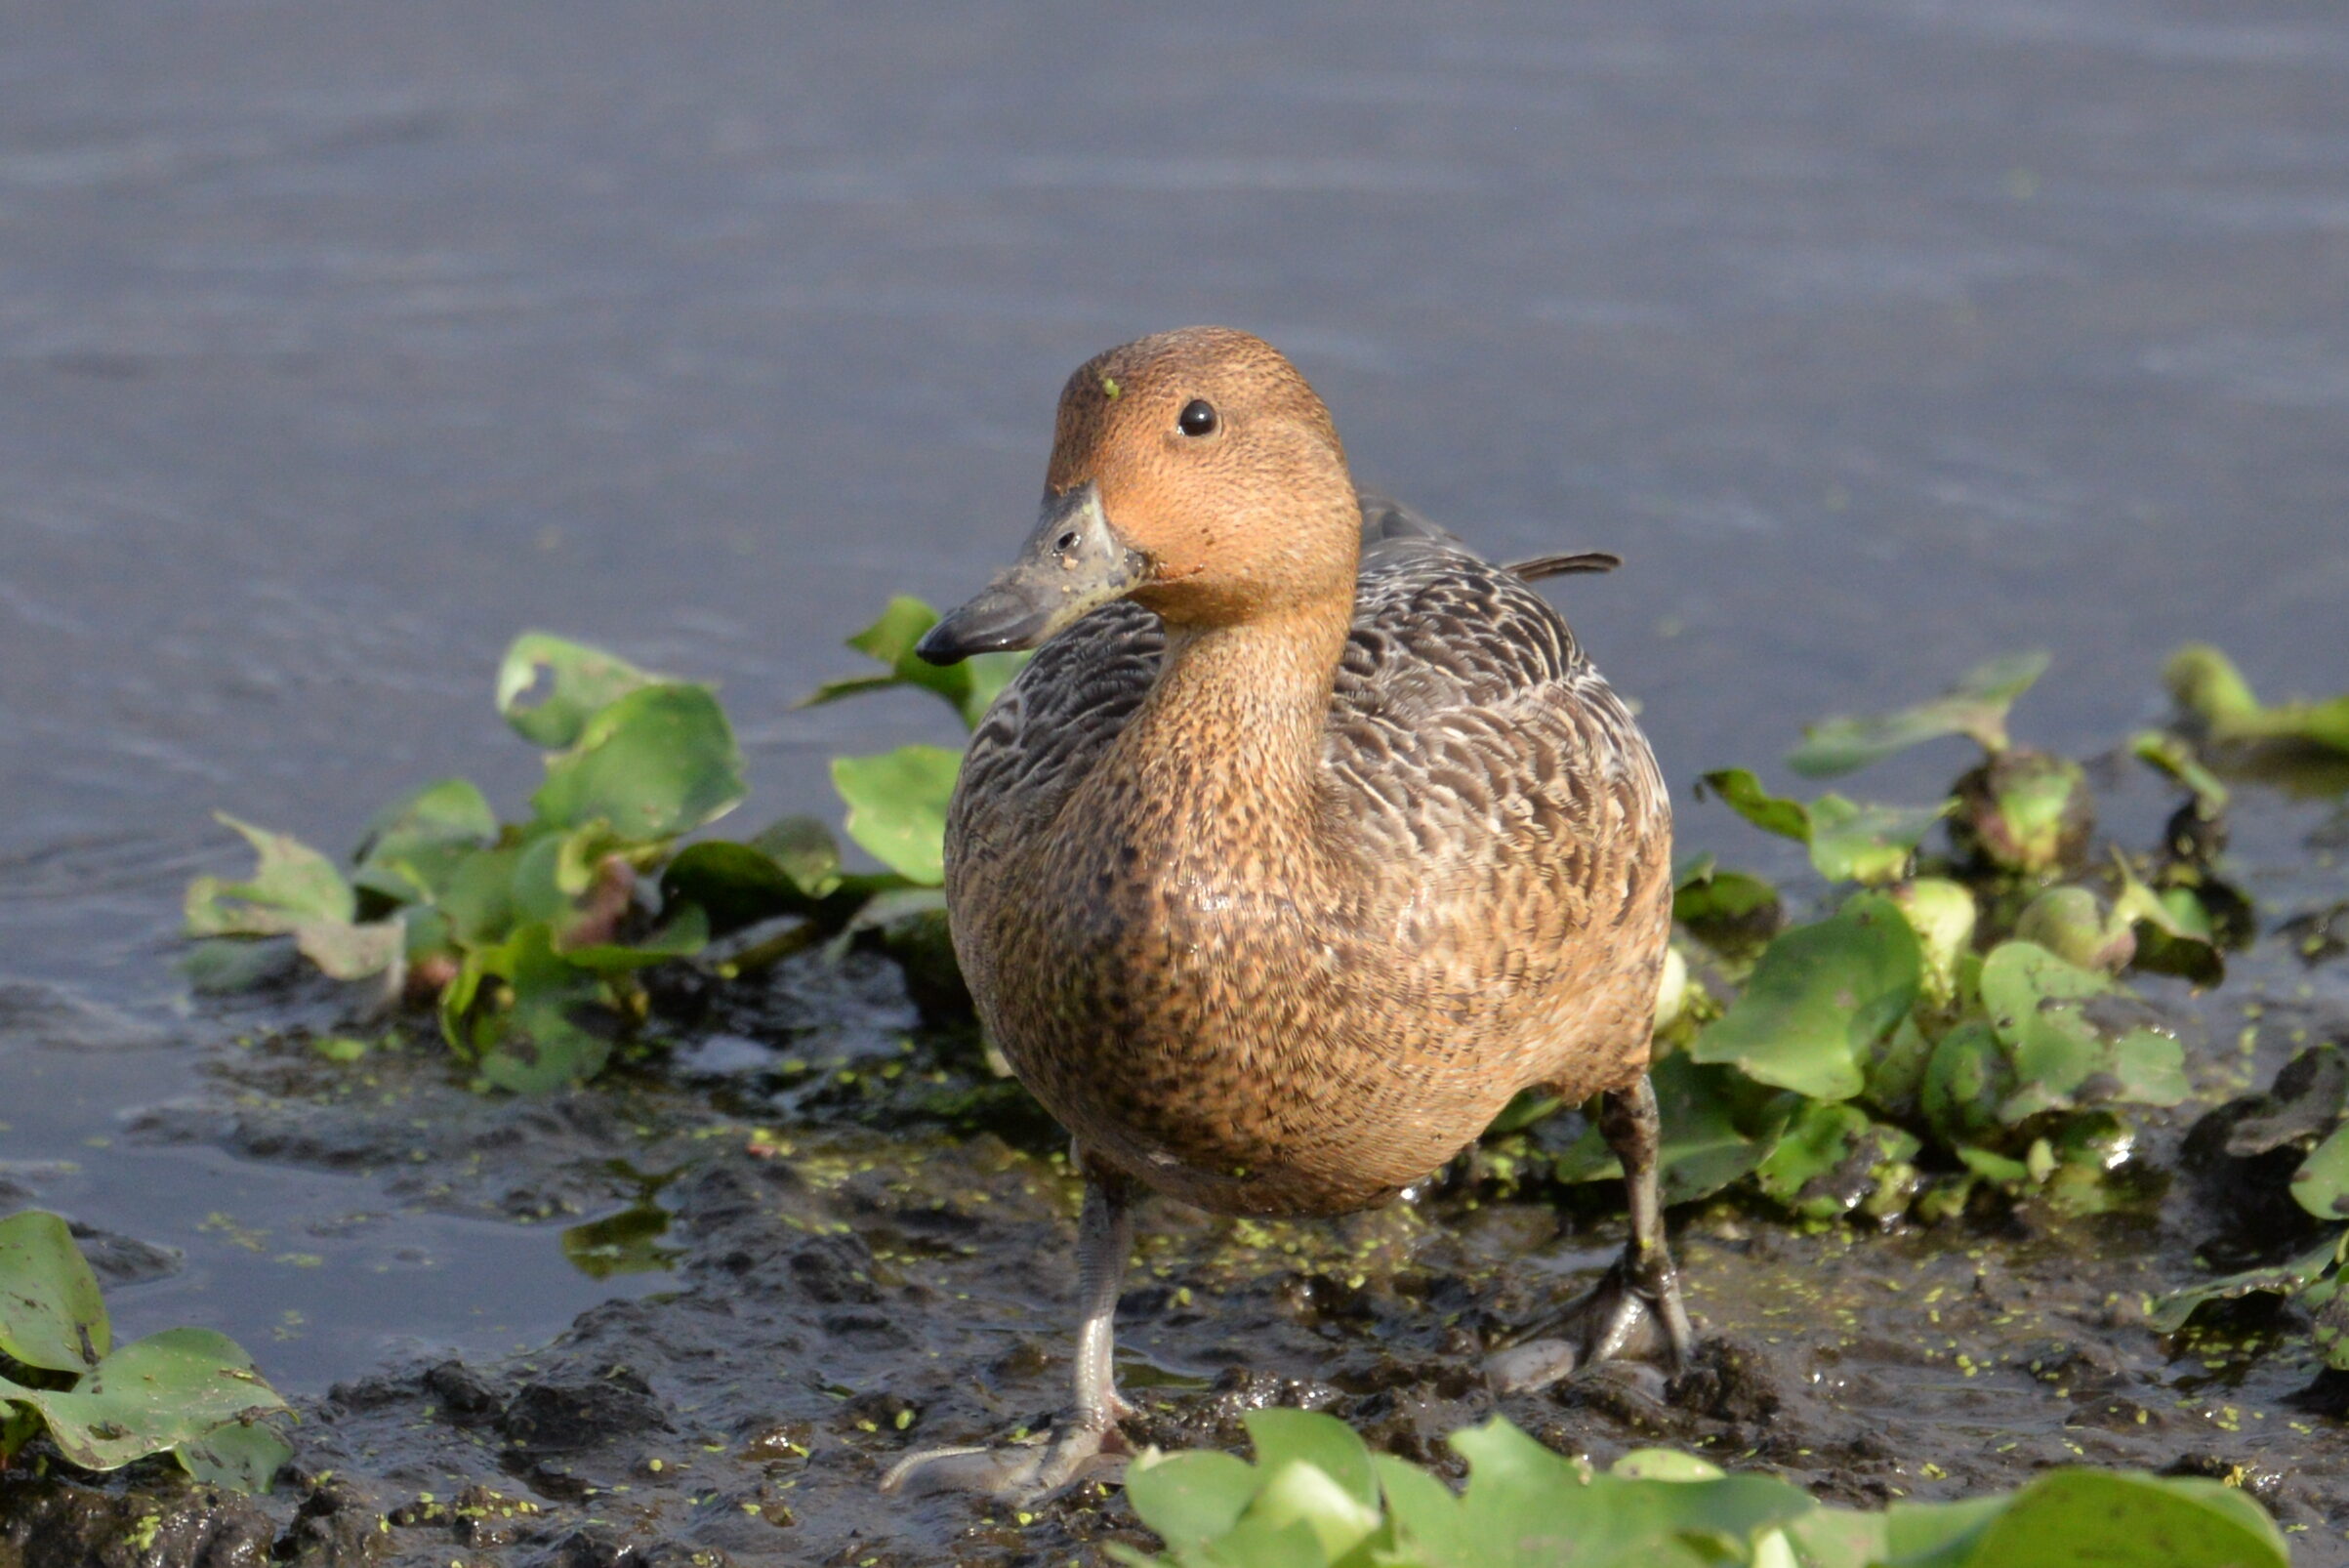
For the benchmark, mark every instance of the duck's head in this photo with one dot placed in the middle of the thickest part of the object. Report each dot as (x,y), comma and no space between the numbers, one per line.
(1194,472)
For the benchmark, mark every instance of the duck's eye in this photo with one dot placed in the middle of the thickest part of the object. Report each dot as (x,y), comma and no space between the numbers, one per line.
(1197,418)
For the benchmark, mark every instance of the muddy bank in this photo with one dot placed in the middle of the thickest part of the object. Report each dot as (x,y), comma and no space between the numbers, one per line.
(855,1242)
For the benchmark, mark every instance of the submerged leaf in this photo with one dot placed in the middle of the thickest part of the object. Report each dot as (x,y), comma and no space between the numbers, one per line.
(1821,998)
(1976,706)
(582,683)
(897,807)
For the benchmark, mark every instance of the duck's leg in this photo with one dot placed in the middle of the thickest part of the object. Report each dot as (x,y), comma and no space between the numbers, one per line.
(1640,1297)
(1089,1432)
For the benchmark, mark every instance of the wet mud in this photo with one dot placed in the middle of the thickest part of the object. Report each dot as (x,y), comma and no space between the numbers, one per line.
(857,1236)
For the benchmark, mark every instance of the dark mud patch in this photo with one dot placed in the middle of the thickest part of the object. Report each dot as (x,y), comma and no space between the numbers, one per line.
(862,1236)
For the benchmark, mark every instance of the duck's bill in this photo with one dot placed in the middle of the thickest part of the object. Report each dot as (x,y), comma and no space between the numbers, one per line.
(1073,563)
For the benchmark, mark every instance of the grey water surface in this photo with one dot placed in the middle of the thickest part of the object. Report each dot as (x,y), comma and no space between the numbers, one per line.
(340,343)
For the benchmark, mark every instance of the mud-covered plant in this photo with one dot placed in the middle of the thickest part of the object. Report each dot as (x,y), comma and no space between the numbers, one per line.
(1317,1498)
(2307,1114)
(190,1392)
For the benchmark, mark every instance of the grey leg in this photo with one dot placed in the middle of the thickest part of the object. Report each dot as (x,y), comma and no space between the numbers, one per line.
(1628,1122)
(1642,1293)
(1086,1442)
(1105,1247)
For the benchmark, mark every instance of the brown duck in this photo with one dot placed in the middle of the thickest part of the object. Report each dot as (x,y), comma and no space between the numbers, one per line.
(1307,840)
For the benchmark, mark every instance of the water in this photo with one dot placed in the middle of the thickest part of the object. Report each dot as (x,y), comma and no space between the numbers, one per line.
(339,344)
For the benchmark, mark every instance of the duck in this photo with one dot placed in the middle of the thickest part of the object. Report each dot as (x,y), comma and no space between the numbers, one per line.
(1307,840)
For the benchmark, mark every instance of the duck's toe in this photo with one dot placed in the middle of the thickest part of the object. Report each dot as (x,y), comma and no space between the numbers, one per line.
(1025,1472)
(1633,1314)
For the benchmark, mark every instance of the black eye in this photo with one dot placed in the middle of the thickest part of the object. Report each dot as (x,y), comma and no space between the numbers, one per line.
(1197,418)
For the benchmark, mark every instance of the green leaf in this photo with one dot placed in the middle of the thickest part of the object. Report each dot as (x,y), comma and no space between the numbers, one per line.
(1834,1159)
(1976,706)
(2207,687)
(897,807)
(1942,914)
(2038,1004)
(1191,1499)
(51,1314)
(2126,1519)
(218,964)
(1969,1077)
(343,951)
(686,933)
(1849,841)
(734,883)
(968,686)
(1868,844)
(2322,1183)
(517,1007)
(413,845)
(1719,1125)
(292,884)
(1743,793)
(242,1456)
(2170,1312)
(804,848)
(150,1395)
(2168,754)
(582,681)
(656,762)
(1821,998)
(1305,1436)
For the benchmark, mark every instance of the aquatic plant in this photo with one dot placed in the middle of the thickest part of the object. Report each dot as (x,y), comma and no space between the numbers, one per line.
(190,1392)
(1317,1498)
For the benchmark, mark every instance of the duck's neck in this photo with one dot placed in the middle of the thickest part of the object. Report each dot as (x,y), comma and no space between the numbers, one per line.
(1232,731)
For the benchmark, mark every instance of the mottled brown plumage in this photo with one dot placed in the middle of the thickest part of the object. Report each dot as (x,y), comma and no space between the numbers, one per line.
(1276,875)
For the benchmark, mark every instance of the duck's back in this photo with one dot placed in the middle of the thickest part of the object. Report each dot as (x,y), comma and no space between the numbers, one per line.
(1497,841)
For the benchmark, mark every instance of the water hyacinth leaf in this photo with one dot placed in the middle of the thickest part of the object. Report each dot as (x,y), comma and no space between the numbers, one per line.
(2072,922)
(1852,842)
(2128,1520)
(735,885)
(659,761)
(897,807)
(517,1007)
(2038,1004)
(2322,1183)
(1969,1077)
(412,846)
(2167,753)
(1820,998)
(580,683)
(242,1456)
(2207,689)
(1719,1125)
(1528,1507)
(346,951)
(1191,1499)
(1942,914)
(292,884)
(1298,1494)
(1714,902)
(478,900)
(50,1314)
(1976,707)
(1743,793)
(1303,1436)
(684,933)
(2171,1312)
(2024,811)
(1834,1158)
(804,848)
(150,1395)
(2171,932)
(969,687)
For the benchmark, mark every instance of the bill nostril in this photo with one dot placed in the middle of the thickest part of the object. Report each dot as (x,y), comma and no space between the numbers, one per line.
(1067,541)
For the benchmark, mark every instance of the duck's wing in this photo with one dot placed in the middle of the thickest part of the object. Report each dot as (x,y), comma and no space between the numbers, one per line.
(1471,737)
(1052,723)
